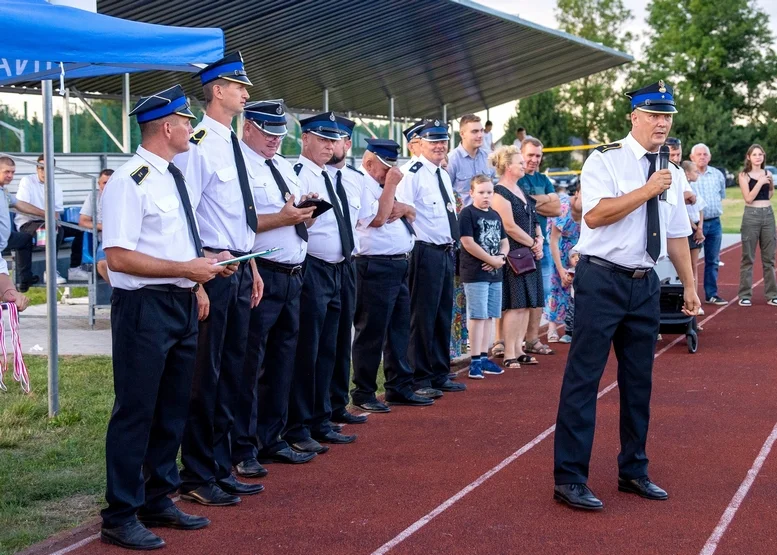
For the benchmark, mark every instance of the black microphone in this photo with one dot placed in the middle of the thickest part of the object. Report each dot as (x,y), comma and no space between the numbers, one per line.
(663,163)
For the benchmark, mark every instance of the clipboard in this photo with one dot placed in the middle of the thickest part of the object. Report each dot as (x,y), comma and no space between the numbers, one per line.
(247,257)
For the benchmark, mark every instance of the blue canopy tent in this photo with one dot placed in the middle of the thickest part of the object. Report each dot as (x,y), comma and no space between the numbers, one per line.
(46,42)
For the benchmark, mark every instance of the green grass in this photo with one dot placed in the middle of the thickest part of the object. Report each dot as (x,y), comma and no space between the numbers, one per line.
(37,295)
(52,472)
(733,208)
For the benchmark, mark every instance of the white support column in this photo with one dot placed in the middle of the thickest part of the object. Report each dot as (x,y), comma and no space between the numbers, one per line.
(445,119)
(391,118)
(125,110)
(349,154)
(326,100)
(66,122)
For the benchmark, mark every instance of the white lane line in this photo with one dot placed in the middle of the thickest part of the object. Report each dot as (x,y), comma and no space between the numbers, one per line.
(739,496)
(76,545)
(426,519)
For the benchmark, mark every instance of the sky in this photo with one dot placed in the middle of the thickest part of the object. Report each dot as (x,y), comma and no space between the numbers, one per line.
(541,13)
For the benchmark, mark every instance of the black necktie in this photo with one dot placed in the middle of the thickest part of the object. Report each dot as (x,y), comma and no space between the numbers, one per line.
(245,188)
(180,184)
(653,222)
(302,229)
(450,208)
(346,236)
(405,221)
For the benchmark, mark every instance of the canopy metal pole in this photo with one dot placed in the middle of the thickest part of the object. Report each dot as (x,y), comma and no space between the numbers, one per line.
(404,143)
(326,100)
(66,122)
(349,154)
(125,110)
(445,119)
(391,118)
(51,251)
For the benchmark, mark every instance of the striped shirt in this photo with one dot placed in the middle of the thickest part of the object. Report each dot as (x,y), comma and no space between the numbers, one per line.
(711,186)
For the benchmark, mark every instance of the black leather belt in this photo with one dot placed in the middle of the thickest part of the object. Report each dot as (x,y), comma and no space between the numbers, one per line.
(290,269)
(216,250)
(446,247)
(170,288)
(634,273)
(405,256)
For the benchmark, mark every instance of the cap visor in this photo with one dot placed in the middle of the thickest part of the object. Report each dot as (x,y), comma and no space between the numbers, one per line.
(275,130)
(334,135)
(385,162)
(658,109)
(435,138)
(238,79)
(186,112)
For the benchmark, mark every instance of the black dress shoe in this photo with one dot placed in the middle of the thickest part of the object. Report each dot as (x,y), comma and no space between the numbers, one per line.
(429,392)
(210,495)
(250,468)
(173,517)
(452,376)
(346,417)
(451,386)
(642,487)
(287,455)
(309,445)
(132,535)
(336,427)
(578,496)
(233,486)
(374,406)
(411,400)
(335,438)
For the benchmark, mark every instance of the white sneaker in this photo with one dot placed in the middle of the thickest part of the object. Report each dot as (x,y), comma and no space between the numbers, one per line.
(720,264)
(77,274)
(60,279)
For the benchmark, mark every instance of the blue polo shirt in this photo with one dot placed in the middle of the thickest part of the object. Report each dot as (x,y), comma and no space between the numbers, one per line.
(538,184)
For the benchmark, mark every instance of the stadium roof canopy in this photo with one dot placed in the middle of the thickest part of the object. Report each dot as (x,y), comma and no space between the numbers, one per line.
(423,53)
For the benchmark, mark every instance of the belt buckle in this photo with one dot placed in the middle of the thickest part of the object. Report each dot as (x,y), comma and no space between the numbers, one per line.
(296,269)
(196,288)
(639,274)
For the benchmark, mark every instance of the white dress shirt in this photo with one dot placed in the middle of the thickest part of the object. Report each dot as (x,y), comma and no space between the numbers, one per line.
(420,189)
(407,165)
(324,235)
(33,191)
(147,218)
(390,238)
(612,174)
(268,199)
(211,176)
(353,183)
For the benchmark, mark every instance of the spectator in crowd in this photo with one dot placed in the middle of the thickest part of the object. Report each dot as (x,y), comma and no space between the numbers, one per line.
(32,189)
(85,220)
(564,233)
(711,186)
(539,187)
(15,240)
(758,229)
(488,137)
(696,215)
(676,156)
(569,321)
(413,144)
(520,293)
(484,249)
(520,136)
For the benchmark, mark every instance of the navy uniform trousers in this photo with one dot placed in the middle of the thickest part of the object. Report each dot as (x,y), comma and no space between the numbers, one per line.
(319,320)
(611,308)
(154,347)
(431,303)
(218,374)
(382,326)
(341,377)
(263,405)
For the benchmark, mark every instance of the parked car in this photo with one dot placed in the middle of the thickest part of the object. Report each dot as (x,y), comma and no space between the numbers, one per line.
(562,177)
(772,170)
(730,181)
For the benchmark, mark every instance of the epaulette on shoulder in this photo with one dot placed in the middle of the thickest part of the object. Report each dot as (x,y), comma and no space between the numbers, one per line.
(611,146)
(415,167)
(198,136)
(297,167)
(354,169)
(279,154)
(139,174)
(675,165)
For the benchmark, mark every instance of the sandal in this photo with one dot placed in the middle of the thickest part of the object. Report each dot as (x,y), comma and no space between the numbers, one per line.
(511,364)
(553,337)
(498,349)
(526,359)
(537,348)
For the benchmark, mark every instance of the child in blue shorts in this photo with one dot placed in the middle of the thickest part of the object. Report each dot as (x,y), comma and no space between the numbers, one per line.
(484,247)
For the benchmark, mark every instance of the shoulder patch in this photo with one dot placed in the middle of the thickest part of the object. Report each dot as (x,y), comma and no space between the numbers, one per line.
(297,167)
(139,174)
(198,136)
(415,167)
(349,166)
(611,146)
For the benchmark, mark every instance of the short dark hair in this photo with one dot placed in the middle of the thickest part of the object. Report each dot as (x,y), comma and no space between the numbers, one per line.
(673,142)
(41,158)
(6,161)
(106,171)
(468,118)
(520,129)
(489,122)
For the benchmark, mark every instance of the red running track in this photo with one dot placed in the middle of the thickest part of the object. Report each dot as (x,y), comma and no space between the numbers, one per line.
(711,414)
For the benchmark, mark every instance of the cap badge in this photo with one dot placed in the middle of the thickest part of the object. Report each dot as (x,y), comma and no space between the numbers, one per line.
(332,116)
(437,123)
(279,110)
(661,86)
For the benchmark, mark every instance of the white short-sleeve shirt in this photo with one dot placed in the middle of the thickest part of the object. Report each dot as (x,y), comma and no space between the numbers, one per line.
(211,175)
(353,183)
(421,189)
(388,239)
(612,173)
(33,191)
(324,235)
(146,217)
